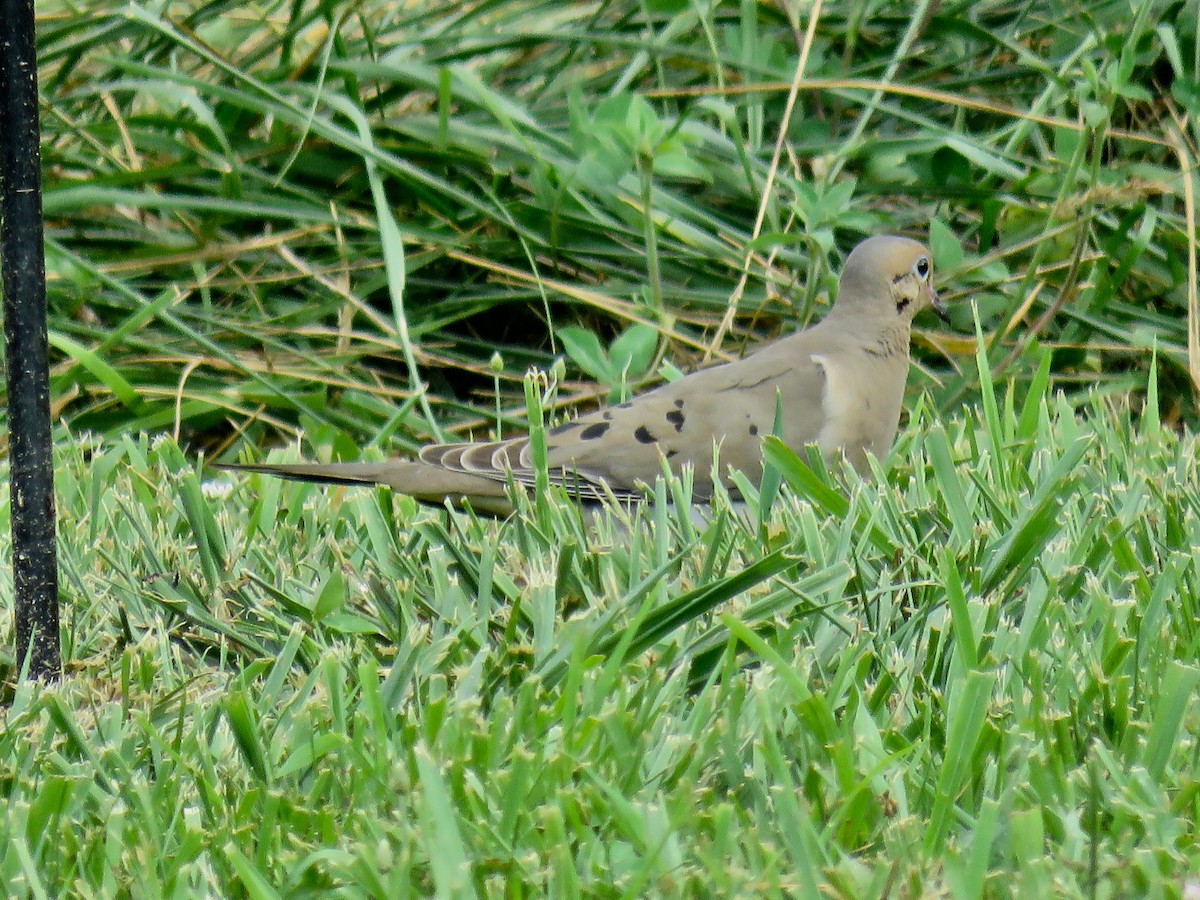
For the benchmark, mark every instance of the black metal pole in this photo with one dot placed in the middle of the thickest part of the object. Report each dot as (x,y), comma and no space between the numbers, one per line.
(22,260)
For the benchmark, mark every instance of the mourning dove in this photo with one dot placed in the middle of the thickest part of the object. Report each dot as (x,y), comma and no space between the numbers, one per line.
(841,384)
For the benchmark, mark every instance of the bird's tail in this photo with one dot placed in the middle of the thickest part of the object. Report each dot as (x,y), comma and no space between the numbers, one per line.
(326,473)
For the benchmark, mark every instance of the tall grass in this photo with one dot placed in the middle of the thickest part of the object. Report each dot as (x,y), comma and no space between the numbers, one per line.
(259,220)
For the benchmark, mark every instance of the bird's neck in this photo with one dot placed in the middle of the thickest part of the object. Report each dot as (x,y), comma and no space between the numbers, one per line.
(892,340)
(886,336)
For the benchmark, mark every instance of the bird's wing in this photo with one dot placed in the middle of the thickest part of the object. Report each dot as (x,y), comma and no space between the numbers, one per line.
(622,447)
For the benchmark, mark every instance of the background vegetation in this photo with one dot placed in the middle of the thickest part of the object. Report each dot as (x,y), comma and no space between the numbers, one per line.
(972,675)
(260,215)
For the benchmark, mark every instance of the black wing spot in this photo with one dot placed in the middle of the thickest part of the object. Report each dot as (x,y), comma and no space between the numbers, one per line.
(608,415)
(671,453)
(594,431)
(753,429)
(679,404)
(625,405)
(676,418)
(644,436)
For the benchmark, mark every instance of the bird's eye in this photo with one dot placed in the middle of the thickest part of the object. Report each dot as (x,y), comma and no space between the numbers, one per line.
(921,267)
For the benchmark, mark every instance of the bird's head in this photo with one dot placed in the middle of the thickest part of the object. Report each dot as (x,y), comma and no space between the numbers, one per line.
(889,275)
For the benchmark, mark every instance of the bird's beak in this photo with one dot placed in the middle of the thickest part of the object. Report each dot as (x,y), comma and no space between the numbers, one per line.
(938,306)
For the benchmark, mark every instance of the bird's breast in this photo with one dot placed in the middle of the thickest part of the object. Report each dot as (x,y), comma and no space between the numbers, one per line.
(862,400)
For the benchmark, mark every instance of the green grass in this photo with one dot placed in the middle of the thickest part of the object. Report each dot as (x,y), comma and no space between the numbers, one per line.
(973,676)
(358,226)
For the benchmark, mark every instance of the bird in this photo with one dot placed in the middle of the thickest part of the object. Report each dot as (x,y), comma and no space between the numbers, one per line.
(840,385)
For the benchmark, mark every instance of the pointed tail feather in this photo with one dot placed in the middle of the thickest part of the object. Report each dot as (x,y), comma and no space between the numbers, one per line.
(425,482)
(325,473)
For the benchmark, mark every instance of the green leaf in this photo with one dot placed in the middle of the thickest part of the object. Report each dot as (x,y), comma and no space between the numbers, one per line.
(1176,695)
(332,596)
(945,246)
(633,352)
(584,349)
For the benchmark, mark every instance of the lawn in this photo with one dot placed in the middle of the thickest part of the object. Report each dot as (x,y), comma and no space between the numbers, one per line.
(343,230)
